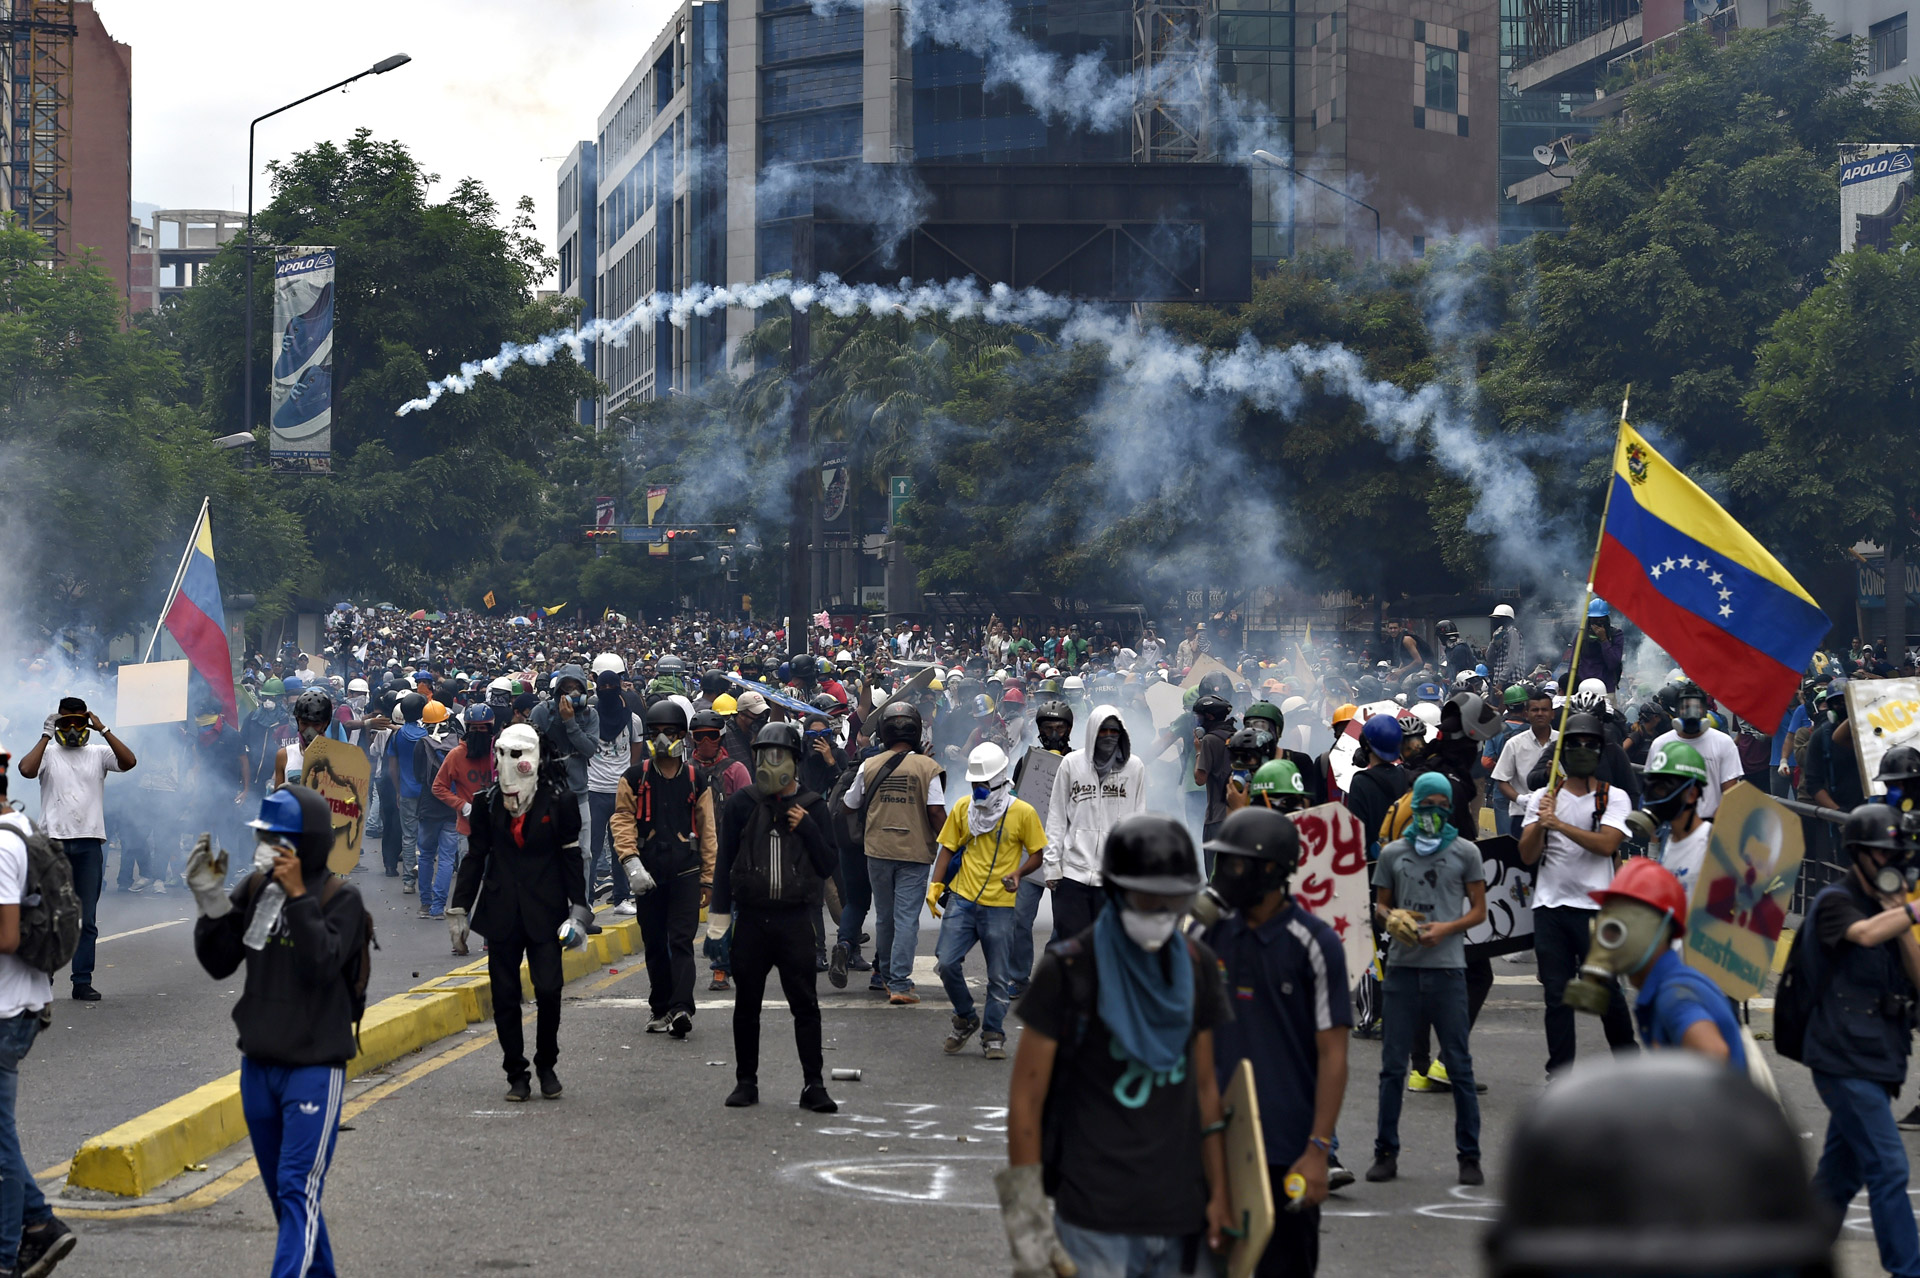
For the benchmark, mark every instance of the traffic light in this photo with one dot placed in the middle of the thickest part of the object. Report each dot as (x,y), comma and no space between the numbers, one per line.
(602,534)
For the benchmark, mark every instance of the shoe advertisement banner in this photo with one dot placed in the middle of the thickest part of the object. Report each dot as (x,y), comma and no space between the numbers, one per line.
(302,406)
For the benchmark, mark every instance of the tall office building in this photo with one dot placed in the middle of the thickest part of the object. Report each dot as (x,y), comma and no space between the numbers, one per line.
(577,224)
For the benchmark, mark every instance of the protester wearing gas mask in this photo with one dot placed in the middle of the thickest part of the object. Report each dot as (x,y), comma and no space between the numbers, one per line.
(1717,750)
(569,729)
(1642,913)
(663,833)
(1670,821)
(1571,831)
(524,849)
(1866,970)
(776,847)
(1097,787)
(1292,1022)
(73,798)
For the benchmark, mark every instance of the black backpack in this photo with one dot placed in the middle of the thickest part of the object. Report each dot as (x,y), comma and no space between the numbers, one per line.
(49,906)
(758,876)
(1796,996)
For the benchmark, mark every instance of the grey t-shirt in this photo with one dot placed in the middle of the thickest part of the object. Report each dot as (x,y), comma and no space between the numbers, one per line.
(1434,886)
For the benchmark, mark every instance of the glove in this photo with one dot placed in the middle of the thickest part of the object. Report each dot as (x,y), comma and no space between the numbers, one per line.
(637,877)
(1404,926)
(457,930)
(207,878)
(1037,1252)
(717,925)
(466,809)
(46,728)
(936,892)
(583,916)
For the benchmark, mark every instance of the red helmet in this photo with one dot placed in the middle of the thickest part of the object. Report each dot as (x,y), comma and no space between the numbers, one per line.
(1014,695)
(1649,883)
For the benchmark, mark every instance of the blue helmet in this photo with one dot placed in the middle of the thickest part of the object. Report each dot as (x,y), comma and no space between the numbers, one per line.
(479,712)
(279,813)
(1428,692)
(1481,670)
(1598,608)
(1381,734)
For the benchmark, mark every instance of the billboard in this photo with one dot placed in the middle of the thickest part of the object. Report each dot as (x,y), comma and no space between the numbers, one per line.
(301,420)
(1876,181)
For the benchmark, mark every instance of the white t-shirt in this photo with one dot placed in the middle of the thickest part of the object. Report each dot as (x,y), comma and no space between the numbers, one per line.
(1722,759)
(1685,856)
(612,758)
(1567,871)
(22,988)
(73,789)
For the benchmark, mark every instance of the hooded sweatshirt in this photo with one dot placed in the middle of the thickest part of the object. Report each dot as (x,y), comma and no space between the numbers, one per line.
(1085,805)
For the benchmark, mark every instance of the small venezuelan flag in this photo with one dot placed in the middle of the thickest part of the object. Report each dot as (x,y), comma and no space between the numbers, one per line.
(197,620)
(1702,588)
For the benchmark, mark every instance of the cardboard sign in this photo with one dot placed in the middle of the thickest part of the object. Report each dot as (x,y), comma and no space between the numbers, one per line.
(1163,703)
(1509,925)
(1038,769)
(340,772)
(1332,880)
(1885,713)
(1203,665)
(152,693)
(1249,1184)
(1739,902)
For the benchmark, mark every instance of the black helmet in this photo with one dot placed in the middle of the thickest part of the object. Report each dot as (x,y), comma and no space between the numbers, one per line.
(784,735)
(1059,711)
(1585,725)
(1217,685)
(446,692)
(1902,763)
(805,667)
(900,723)
(669,665)
(1702,1173)
(412,706)
(824,701)
(706,720)
(1150,853)
(1211,706)
(1872,825)
(313,706)
(1249,749)
(1260,833)
(664,716)
(1446,630)
(713,683)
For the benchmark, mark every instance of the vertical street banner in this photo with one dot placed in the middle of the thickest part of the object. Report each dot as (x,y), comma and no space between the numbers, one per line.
(656,498)
(301,419)
(835,478)
(603,512)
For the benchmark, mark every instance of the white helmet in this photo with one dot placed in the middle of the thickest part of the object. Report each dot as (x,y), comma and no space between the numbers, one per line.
(843,657)
(609,663)
(502,684)
(987,762)
(1428,714)
(358,685)
(1464,679)
(1292,706)
(1074,683)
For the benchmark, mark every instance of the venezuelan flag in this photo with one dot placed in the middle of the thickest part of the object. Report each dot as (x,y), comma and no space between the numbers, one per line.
(1702,588)
(198,622)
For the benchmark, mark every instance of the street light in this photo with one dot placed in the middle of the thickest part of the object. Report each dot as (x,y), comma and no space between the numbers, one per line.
(379,68)
(1269,158)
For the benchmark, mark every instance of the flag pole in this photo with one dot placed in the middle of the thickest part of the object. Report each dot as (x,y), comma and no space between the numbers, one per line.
(1580,635)
(179,575)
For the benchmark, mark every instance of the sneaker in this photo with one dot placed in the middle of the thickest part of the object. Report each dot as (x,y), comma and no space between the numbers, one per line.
(719,981)
(1418,1082)
(819,963)
(1470,1173)
(1911,1122)
(893,1000)
(659,1024)
(1437,1073)
(406,887)
(1339,1175)
(993,1046)
(876,986)
(837,965)
(857,964)
(159,889)
(44,1245)
(627,908)
(518,1089)
(679,1025)
(138,885)
(743,1095)
(88,994)
(425,913)
(1385,1167)
(550,1083)
(815,1098)
(963,1029)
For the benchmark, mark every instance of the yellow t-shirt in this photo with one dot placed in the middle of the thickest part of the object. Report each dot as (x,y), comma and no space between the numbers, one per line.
(991,856)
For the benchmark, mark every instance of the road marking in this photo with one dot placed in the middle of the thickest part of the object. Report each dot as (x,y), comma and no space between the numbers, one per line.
(151,927)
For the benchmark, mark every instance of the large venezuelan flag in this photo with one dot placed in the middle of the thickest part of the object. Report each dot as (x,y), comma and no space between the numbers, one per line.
(1703,589)
(198,622)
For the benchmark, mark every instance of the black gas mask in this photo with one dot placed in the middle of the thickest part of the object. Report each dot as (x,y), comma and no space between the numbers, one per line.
(1675,795)
(1242,882)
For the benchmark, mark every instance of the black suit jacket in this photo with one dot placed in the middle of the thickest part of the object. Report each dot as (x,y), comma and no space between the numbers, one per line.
(524,889)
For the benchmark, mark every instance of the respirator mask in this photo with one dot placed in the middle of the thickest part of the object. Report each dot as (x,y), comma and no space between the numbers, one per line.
(1242,882)
(1693,712)
(1054,735)
(1899,874)
(773,771)
(666,746)
(1149,929)
(1627,935)
(1664,808)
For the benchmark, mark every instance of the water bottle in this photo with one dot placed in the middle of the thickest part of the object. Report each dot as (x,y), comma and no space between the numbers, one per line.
(266,911)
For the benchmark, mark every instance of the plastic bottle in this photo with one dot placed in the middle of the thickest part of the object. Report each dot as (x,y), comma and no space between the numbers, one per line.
(266,914)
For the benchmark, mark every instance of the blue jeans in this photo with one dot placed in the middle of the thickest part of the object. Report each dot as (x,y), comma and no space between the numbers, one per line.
(88,857)
(1439,994)
(293,1119)
(439,853)
(991,926)
(1020,952)
(1128,1255)
(408,808)
(21,1202)
(1864,1148)
(899,890)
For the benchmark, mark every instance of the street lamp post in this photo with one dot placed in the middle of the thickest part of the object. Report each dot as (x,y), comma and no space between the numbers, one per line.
(379,68)
(1274,161)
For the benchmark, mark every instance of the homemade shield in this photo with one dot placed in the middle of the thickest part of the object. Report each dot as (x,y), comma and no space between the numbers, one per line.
(1739,903)
(340,772)
(1331,881)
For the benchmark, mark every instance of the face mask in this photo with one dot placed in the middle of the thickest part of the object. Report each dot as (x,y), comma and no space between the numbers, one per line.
(308,731)
(773,772)
(265,852)
(1627,935)
(1148,931)
(1895,877)
(516,761)
(1104,746)
(982,792)
(1690,721)
(1242,882)
(1666,809)
(73,737)
(1242,776)
(665,747)
(1580,761)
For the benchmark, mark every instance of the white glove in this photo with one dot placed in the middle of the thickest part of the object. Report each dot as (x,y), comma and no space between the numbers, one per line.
(457,928)
(207,878)
(1037,1252)
(46,728)
(466,809)
(637,877)
(717,925)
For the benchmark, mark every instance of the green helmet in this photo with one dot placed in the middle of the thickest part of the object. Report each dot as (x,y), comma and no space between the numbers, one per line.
(1268,711)
(1188,697)
(1516,695)
(1677,759)
(273,688)
(1277,778)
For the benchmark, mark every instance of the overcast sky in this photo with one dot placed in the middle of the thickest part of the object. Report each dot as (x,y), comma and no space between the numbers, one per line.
(497,89)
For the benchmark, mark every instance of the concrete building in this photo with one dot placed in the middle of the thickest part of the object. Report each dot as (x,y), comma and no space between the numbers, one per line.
(169,256)
(577,226)
(102,163)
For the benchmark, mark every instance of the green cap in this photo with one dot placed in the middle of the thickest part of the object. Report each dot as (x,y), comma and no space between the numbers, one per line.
(1516,695)
(1276,776)
(1677,759)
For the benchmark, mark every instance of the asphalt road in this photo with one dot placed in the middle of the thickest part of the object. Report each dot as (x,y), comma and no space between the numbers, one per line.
(639,1167)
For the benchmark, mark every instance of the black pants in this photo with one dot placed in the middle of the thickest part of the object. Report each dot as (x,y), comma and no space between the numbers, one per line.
(668,916)
(1074,907)
(1479,985)
(856,894)
(389,824)
(765,940)
(503,974)
(1294,1249)
(1561,936)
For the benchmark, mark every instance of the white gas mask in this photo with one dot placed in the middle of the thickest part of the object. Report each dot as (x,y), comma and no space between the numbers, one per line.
(516,762)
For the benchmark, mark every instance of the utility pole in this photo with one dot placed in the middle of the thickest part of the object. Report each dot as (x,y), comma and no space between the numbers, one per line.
(799,449)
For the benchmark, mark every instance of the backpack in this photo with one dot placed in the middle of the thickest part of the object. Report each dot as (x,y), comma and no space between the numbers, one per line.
(49,906)
(759,877)
(1794,1000)
(362,970)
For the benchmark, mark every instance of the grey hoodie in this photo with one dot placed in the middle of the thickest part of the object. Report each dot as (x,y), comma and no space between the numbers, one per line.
(571,741)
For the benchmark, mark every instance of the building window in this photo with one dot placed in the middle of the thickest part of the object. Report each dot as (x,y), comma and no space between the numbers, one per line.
(1886,44)
(1443,79)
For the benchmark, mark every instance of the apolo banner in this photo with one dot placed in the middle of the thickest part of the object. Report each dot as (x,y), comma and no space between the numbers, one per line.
(301,421)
